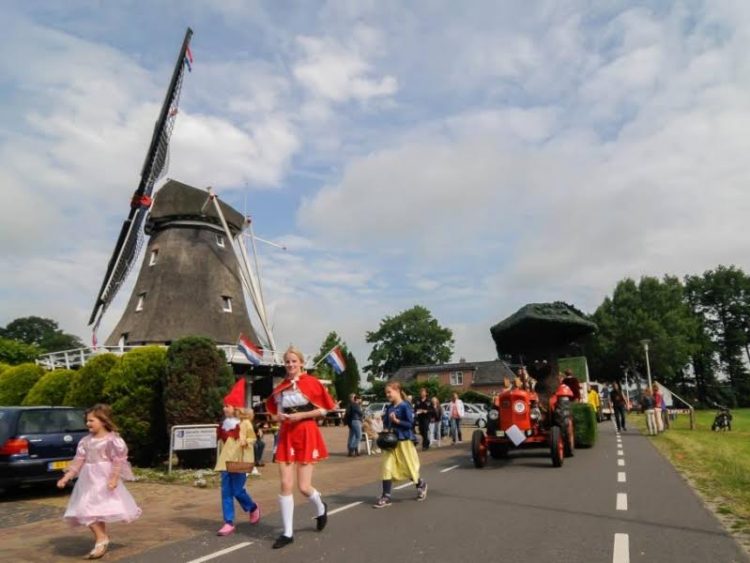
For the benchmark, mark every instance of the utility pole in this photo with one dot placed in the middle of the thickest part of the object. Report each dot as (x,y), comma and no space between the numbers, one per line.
(645,343)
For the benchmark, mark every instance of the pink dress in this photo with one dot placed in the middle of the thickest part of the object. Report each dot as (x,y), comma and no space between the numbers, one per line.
(96,461)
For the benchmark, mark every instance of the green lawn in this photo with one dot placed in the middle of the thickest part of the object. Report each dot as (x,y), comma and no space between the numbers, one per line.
(718,463)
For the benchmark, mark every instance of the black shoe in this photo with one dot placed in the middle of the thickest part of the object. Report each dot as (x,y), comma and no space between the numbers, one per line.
(323,518)
(282,541)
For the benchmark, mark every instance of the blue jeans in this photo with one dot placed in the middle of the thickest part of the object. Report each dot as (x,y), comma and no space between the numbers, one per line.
(258,448)
(355,434)
(456,429)
(233,487)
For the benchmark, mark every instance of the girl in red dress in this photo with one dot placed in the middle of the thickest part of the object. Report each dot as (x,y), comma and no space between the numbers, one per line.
(296,403)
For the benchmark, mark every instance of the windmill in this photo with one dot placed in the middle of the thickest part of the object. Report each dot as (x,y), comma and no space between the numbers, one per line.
(196,271)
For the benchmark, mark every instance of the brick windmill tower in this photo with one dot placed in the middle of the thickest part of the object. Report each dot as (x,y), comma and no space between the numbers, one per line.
(195,271)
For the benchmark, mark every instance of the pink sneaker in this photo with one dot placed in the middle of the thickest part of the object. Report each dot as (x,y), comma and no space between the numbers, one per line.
(255,515)
(225,530)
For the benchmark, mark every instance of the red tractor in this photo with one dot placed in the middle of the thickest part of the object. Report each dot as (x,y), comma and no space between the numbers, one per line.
(518,420)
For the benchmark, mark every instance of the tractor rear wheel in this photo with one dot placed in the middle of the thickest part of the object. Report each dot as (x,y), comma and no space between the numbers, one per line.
(556,446)
(478,449)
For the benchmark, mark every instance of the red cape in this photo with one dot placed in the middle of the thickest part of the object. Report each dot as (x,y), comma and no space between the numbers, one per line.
(310,386)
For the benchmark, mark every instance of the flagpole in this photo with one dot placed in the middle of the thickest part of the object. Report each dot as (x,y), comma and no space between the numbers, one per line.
(324,356)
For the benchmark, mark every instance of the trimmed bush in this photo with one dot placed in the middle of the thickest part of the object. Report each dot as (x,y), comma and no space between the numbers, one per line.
(134,390)
(3,367)
(584,418)
(15,352)
(87,384)
(16,382)
(50,389)
(197,379)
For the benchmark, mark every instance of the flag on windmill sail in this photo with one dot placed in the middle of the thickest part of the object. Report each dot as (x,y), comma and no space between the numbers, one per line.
(189,59)
(253,354)
(336,359)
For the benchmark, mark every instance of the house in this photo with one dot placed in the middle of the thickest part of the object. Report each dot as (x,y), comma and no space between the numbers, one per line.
(484,377)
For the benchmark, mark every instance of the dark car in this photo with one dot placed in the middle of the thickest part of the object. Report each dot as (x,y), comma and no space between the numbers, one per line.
(37,444)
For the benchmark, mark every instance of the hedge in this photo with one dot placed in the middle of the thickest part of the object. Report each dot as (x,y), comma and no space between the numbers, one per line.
(134,389)
(87,385)
(50,389)
(16,382)
(584,418)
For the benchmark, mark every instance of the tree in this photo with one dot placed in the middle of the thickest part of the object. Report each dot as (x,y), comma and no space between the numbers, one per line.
(722,298)
(14,352)
(50,389)
(16,382)
(41,332)
(413,337)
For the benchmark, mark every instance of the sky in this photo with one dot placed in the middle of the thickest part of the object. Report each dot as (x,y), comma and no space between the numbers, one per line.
(468,157)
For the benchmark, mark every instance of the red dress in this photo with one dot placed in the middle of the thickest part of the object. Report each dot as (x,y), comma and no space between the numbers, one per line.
(301,441)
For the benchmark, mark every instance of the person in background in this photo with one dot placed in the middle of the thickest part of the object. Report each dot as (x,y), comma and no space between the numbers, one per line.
(423,410)
(619,405)
(353,418)
(593,399)
(436,422)
(572,382)
(258,423)
(456,414)
(658,406)
(648,409)
(372,426)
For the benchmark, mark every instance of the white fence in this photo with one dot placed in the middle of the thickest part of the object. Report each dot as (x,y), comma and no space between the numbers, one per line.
(73,359)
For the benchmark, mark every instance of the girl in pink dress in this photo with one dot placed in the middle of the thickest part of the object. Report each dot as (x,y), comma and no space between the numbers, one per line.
(101,462)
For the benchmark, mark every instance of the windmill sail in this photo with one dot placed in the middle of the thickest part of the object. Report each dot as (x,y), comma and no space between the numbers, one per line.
(131,235)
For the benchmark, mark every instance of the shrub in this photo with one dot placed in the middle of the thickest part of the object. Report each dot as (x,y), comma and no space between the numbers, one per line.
(16,382)
(50,389)
(134,390)
(476,397)
(15,352)
(434,389)
(197,378)
(584,418)
(3,367)
(87,384)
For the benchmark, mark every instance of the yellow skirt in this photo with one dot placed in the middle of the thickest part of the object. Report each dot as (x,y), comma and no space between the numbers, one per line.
(401,463)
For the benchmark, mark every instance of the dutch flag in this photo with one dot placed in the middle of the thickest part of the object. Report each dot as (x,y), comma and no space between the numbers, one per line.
(336,358)
(251,351)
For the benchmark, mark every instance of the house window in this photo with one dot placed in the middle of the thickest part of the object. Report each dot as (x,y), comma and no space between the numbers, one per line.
(457,378)
(141,299)
(220,240)
(226,304)
(154,257)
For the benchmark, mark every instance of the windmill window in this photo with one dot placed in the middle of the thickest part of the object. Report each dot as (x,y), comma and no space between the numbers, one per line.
(457,378)
(220,240)
(226,304)
(141,299)
(154,257)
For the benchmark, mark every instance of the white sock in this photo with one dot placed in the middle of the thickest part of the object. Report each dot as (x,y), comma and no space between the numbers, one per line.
(315,499)
(286,502)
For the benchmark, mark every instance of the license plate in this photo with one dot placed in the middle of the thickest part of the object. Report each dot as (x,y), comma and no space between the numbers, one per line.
(58,465)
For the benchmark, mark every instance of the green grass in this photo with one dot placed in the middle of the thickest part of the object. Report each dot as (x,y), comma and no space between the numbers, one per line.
(717,463)
(204,478)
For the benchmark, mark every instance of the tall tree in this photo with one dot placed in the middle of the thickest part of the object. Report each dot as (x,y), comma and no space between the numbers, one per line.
(413,337)
(722,298)
(44,333)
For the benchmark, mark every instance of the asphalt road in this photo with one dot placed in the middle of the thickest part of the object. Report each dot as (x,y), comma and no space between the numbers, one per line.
(620,501)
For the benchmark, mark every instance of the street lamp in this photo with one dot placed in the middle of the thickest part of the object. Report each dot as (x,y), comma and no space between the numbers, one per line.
(645,343)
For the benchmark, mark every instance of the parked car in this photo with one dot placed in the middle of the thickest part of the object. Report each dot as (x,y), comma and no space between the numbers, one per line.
(474,415)
(373,408)
(37,444)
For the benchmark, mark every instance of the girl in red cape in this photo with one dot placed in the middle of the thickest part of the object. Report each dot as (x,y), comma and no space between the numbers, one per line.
(296,403)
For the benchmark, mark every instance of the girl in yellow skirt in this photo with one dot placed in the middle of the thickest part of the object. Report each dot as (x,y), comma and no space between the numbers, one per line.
(402,462)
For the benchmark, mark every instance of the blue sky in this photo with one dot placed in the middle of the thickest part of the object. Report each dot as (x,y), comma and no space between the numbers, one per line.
(467,157)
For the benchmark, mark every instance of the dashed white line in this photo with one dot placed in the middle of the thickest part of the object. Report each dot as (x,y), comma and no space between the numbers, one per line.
(449,468)
(621,462)
(621,477)
(216,554)
(622,501)
(621,551)
(620,453)
(409,484)
(345,507)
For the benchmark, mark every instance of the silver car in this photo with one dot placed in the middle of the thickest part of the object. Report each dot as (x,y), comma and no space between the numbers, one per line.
(474,415)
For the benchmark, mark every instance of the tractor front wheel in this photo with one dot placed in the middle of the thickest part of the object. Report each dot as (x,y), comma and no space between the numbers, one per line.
(556,446)
(478,449)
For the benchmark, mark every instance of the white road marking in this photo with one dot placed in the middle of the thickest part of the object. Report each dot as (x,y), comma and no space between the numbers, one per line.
(621,477)
(409,484)
(620,453)
(345,507)
(622,501)
(621,462)
(621,552)
(449,468)
(216,554)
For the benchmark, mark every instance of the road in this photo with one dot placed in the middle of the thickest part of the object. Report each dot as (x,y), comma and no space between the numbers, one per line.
(620,501)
